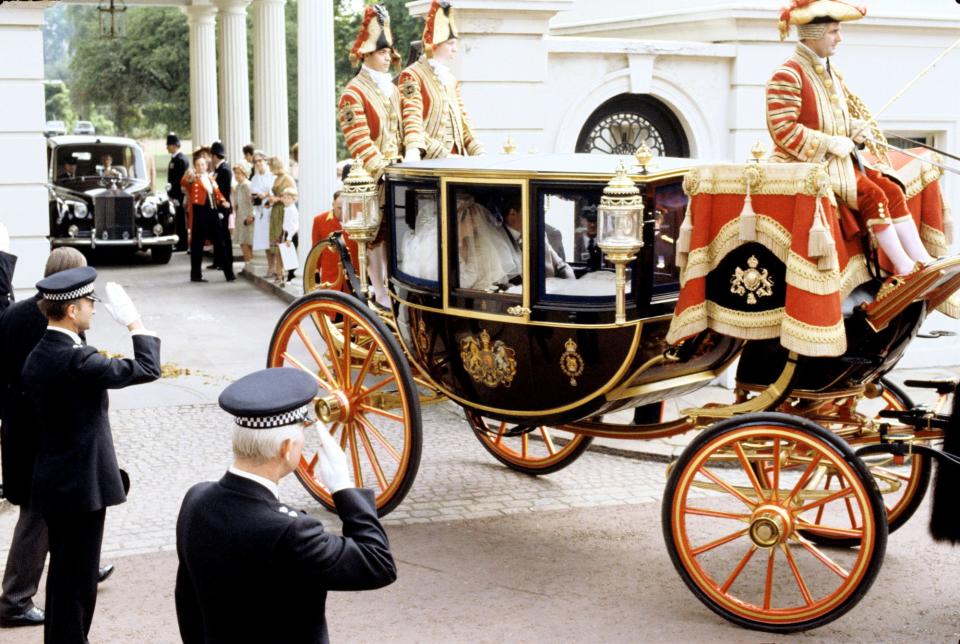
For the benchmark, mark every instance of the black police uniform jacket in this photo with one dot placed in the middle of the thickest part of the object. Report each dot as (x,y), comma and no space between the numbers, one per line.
(223,175)
(243,553)
(76,467)
(21,327)
(175,171)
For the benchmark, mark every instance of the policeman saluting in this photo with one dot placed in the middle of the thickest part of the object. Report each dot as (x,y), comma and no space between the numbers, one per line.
(238,543)
(76,475)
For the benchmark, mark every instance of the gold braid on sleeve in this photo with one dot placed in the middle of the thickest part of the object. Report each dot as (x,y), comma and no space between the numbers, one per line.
(858,110)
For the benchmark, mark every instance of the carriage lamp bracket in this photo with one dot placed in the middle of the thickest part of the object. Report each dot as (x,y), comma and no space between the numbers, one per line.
(620,230)
(361,215)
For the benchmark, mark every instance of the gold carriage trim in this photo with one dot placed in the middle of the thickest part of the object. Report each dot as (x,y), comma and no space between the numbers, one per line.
(917,175)
(490,365)
(770,179)
(770,234)
(951,306)
(571,362)
(809,340)
(752,282)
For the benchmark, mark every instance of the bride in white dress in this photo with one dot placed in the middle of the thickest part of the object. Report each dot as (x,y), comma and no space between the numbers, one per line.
(419,258)
(486,255)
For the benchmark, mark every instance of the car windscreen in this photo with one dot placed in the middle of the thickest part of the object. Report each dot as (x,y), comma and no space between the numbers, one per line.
(97,159)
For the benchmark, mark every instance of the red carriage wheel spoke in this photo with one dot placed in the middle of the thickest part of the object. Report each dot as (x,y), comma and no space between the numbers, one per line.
(740,566)
(372,457)
(548,440)
(362,372)
(379,385)
(776,469)
(803,479)
(733,536)
(323,383)
(726,486)
(331,348)
(751,474)
(801,584)
(314,354)
(500,433)
(345,354)
(827,499)
(355,457)
(383,439)
(524,444)
(768,583)
(832,531)
(824,559)
(380,412)
(704,512)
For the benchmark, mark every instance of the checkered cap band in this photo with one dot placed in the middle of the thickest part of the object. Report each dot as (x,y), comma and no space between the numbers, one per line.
(82,291)
(278,420)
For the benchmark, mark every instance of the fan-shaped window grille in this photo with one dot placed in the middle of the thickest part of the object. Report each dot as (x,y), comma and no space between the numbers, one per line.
(625,122)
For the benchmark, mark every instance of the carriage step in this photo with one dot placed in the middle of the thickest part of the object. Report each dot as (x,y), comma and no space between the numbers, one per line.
(943,386)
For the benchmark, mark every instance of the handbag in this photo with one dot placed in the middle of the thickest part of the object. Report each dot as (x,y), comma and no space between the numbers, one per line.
(288,255)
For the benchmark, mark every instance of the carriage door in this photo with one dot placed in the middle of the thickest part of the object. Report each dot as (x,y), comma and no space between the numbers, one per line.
(487,249)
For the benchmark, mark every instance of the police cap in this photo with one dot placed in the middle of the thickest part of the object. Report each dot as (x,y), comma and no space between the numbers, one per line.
(69,285)
(270,398)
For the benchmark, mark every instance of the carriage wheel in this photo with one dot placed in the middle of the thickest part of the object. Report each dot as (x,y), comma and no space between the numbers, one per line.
(367,395)
(542,450)
(902,487)
(741,545)
(312,280)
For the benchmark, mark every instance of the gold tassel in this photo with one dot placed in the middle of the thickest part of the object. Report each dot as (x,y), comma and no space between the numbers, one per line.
(820,241)
(685,238)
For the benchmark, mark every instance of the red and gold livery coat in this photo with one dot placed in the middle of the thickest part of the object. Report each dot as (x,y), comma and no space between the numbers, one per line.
(370,123)
(434,119)
(805,101)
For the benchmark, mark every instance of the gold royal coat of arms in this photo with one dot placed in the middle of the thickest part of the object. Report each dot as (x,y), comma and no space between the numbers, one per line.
(491,365)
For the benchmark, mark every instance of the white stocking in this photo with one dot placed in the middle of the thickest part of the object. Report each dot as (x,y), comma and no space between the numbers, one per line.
(910,239)
(377,274)
(890,243)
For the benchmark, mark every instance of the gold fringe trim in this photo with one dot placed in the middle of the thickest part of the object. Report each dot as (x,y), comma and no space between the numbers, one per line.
(809,340)
(935,241)
(767,179)
(769,233)
(805,275)
(951,308)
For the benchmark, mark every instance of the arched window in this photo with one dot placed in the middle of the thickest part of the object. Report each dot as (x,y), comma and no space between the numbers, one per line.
(625,122)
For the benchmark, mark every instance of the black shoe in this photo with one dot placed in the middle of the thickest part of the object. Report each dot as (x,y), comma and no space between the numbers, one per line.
(198,279)
(231,277)
(213,267)
(104,573)
(31,617)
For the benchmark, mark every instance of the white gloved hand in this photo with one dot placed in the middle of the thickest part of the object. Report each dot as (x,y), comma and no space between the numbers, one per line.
(840,146)
(4,239)
(412,154)
(119,304)
(334,472)
(859,130)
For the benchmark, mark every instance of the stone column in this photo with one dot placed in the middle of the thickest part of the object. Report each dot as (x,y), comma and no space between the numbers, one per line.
(234,83)
(317,117)
(204,122)
(270,115)
(23,163)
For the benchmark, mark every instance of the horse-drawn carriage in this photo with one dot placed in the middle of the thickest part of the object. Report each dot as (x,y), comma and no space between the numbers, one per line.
(544,293)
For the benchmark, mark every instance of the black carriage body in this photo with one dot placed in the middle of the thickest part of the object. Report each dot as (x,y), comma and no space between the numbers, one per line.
(539,347)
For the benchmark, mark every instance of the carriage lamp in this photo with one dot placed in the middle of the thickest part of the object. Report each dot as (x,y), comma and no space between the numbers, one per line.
(643,157)
(620,229)
(757,152)
(360,214)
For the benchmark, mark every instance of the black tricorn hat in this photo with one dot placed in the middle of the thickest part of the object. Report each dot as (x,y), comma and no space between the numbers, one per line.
(270,398)
(173,139)
(216,149)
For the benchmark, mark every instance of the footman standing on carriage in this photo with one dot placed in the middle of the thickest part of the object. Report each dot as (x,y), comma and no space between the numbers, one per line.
(435,122)
(238,543)
(369,114)
(811,118)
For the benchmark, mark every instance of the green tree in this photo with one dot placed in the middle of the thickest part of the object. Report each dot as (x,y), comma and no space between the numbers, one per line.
(140,78)
(58,102)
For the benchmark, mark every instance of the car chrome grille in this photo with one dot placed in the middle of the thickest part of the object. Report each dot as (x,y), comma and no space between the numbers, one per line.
(114,215)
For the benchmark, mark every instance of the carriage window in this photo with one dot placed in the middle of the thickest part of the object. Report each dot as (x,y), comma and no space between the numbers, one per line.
(416,224)
(487,222)
(669,205)
(573,263)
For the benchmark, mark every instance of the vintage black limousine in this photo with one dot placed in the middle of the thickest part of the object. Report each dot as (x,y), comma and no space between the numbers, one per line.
(103,198)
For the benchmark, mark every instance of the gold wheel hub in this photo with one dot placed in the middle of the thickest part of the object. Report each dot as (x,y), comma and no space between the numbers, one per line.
(333,408)
(770,525)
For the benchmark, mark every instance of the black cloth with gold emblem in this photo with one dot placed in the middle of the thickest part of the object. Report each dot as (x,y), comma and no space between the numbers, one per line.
(237,542)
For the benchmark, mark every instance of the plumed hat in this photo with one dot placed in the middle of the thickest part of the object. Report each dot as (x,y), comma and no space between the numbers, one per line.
(812,12)
(440,26)
(374,35)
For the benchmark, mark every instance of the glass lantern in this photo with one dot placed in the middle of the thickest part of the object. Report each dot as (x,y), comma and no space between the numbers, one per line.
(360,214)
(620,229)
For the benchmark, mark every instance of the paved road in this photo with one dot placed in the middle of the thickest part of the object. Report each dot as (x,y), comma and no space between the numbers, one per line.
(485,554)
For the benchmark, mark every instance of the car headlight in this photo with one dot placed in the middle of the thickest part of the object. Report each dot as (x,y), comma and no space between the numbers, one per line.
(157,230)
(73,230)
(77,208)
(148,209)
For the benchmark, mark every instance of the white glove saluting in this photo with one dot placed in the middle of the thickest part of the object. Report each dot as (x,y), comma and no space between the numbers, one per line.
(334,472)
(119,304)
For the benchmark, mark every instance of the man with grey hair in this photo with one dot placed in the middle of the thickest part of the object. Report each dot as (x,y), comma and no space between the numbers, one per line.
(237,542)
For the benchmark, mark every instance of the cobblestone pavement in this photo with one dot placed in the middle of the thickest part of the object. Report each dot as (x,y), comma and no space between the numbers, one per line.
(168,449)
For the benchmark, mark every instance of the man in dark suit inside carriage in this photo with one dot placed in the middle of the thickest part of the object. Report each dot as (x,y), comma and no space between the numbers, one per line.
(75,476)
(239,545)
(223,176)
